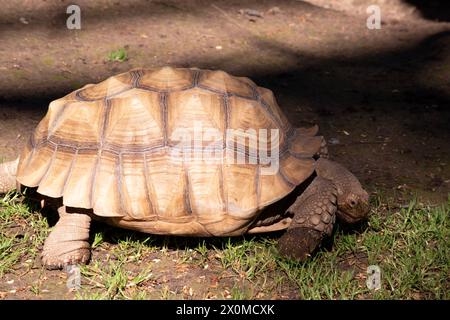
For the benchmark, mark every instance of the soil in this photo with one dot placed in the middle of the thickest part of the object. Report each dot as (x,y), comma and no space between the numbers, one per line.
(380,97)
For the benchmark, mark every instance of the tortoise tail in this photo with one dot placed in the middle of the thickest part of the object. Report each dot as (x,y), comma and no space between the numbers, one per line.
(8,172)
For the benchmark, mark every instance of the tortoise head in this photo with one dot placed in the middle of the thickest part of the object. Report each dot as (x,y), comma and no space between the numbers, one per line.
(353,205)
(352,199)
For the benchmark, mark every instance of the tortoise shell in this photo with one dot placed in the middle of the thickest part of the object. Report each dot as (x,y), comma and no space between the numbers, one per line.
(112,147)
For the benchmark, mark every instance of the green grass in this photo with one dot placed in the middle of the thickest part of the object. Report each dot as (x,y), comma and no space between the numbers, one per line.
(119,55)
(21,233)
(409,245)
(130,249)
(112,281)
(249,258)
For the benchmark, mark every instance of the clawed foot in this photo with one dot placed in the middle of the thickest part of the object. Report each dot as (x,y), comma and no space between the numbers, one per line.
(68,242)
(299,243)
(63,254)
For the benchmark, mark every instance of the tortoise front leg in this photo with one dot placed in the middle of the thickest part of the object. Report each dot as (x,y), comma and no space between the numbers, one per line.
(314,216)
(68,242)
(8,171)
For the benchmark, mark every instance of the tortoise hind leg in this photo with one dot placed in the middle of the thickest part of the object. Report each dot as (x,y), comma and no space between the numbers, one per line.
(314,216)
(68,242)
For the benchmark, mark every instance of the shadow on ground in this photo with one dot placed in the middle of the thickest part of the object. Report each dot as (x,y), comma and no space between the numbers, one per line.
(433,9)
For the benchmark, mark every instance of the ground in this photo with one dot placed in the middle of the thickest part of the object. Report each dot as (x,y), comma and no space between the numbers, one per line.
(380,97)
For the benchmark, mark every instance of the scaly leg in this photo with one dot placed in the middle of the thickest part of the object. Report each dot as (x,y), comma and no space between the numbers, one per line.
(314,216)
(68,242)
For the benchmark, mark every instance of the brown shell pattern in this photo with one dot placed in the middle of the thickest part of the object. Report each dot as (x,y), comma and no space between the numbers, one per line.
(114,147)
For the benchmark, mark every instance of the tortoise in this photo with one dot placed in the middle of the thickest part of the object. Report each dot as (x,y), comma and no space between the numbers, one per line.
(135,151)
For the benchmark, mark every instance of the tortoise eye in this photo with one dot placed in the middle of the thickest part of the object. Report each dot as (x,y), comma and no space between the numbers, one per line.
(352,203)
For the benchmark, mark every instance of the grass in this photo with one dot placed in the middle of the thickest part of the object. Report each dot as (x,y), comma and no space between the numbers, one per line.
(21,233)
(119,55)
(249,259)
(409,245)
